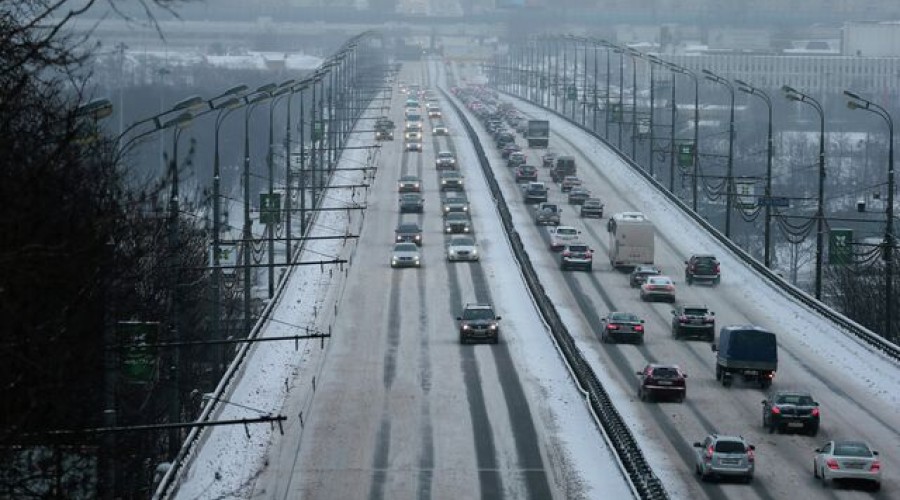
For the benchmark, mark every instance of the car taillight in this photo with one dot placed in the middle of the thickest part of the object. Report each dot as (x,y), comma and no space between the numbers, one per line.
(717,268)
(639,328)
(567,253)
(815,412)
(776,410)
(876,466)
(750,455)
(709,454)
(708,320)
(669,287)
(612,327)
(832,464)
(682,319)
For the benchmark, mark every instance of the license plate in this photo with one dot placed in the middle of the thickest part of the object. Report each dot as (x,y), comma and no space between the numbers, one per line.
(696,321)
(751,372)
(730,462)
(665,382)
(795,424)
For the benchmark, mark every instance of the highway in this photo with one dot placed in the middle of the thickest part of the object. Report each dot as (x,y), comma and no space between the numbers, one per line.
(401,409)
(851,406)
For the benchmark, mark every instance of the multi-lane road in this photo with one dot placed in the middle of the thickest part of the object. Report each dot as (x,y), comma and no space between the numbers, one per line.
(402,410)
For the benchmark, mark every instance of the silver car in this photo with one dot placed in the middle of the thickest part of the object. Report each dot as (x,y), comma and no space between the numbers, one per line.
(658,288)
(846,461)
(724,456)
(406,255)
(462,248)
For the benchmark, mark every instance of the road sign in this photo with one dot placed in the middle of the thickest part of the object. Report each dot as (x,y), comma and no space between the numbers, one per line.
(269,208)
(686,154)
(839,246)
(744,196)
(138,360)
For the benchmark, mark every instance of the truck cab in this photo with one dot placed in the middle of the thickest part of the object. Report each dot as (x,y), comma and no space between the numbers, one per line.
(746,350)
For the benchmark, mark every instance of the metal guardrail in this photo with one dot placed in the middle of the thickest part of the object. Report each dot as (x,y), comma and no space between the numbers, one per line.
(643,480)
(868,336)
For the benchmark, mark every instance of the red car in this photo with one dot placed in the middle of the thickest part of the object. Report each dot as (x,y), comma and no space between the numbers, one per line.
(662,380)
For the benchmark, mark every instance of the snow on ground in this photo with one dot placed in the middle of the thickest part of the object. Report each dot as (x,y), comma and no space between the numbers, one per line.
(228,459)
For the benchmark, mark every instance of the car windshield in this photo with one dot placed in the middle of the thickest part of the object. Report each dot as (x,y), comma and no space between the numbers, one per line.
(444,154)
(566,232)
(406,247)
(730,447)
(623,318)
(409,178)
(478,313)
(408,228)
(549,208)
(450,174)
(694,311)
(665,372)
(411,198)
(457,217)
(578,248)
(852,449)
(794,399)
(462,242)
(659,281)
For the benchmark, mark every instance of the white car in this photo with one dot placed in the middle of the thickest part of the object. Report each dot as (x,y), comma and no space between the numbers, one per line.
(440,130)
(414,146)
(406,255)
(562,236)
(462,248)
(658,288)
(847,460)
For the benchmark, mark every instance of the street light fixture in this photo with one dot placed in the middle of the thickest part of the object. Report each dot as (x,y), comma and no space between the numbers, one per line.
(729,176)
(888,252)
(767,239)
(793,94)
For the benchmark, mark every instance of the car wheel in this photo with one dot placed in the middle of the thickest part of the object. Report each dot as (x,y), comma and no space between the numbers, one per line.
(748,479)
(681,397)
(876,487)
(815,470)
(675,334)
(496,340)
(726,380)
(642,395)
(813,431)
(718,372)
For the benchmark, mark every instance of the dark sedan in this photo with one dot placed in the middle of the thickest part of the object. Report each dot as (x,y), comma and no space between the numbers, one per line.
(412,202)
(622,327)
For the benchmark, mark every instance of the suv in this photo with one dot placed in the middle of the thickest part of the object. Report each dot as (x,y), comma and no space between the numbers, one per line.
(693,321)
(662,380)
(565,165)
(784,410)
(592,207)
(451,180)
(719,456)
(535,192)
(576,256)
(445,159)
(408,232)
(547,214)
(702,267)
(478,322)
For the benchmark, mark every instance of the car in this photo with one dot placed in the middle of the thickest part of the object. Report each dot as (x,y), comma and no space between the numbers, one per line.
(547,214)
(406,255)
(413,146)
(695,320)
(658,288)
(526,173)
(591,208)
(408,232)
(662,380)
(434,112)
(561,236)
(409,184)
(503,138)
(847,460)
(515,159)
(719,456)
(568,182)
(576,256)
(535,192)
(456,203)
(578,195)
(412,202)
(548,160)
(445,159)
(640,273)
(788,410)
(412,103)
(702,267)
(452,180)
(509,148)
(457,222)
(440,130)
(478,322)
(462,248)
(413,135)
(622,327)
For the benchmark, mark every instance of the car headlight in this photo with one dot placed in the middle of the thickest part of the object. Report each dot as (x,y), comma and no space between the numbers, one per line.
(474,251)
(465,327)
(394,260)
(465,209)
(443,182)
(493,326)
(448,229)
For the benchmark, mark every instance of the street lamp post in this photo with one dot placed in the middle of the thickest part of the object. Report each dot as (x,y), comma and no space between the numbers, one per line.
(888,253)
(795,95)
(583,103)
(594,94)
(729,176)
(275,95)
(767,239)
(250,103)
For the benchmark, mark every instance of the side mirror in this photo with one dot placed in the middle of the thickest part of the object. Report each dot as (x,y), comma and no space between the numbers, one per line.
(697,445)
(818,450)
(499,318)
(459,318)
(686,262)
(684,375)
(875,453)
(712,313)
(674,312)
(642,322)
(751,447)
(639,372)
(763,401)
(713,347)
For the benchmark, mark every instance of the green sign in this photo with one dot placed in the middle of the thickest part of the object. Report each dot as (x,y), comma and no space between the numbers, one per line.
(686,154)
(840,247)
(270,208)
(572,92)
(138,360)
(616,113)
(318,131)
